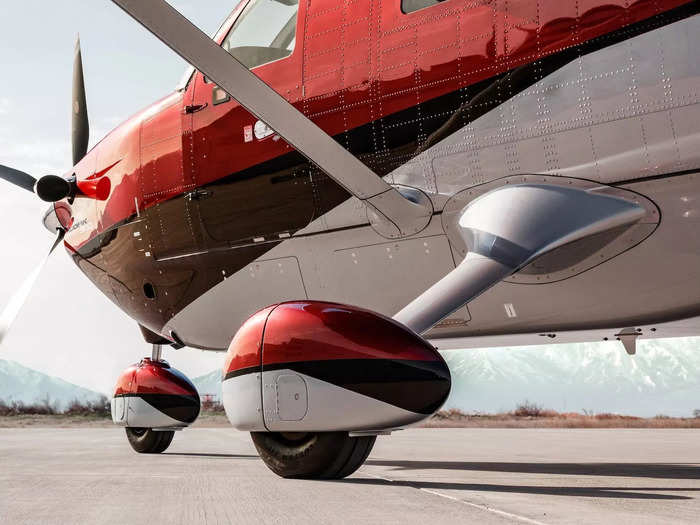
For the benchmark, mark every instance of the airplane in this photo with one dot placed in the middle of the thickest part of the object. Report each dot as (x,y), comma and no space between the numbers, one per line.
(337,190)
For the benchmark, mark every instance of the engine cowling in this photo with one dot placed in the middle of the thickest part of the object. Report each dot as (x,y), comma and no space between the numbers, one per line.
(151,394)
(317,366)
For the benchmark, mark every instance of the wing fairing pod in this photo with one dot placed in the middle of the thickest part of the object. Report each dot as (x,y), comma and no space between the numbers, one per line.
(151,394)
(321,367)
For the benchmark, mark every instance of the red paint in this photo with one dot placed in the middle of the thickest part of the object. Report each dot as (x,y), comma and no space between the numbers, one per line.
(151,377)
(125,382)
(102,172)
(312,331)
(342,74)
(318,331)
(244,350)
(95,188)
(98,185)
(64,214)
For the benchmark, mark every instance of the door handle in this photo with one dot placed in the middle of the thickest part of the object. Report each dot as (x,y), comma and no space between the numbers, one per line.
(194,108)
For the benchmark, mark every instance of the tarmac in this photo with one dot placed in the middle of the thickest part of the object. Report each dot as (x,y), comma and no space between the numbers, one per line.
(426,476)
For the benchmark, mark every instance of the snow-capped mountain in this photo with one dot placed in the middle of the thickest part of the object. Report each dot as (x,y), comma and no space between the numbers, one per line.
(663,378)
(19,383)
(209,384)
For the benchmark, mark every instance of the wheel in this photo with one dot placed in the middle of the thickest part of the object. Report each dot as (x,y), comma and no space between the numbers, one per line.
(314,455)
(149,441)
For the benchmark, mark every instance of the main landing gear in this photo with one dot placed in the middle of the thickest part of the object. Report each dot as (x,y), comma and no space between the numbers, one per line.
(315,383)
(153,400)
(312,455)
(149,441)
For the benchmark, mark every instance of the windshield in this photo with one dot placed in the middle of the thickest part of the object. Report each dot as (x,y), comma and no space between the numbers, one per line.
(265,31)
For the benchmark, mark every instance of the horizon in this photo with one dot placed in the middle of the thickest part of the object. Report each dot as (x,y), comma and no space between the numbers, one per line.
(563,378)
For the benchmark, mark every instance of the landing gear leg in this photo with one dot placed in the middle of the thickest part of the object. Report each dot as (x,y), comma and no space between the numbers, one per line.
(156,352)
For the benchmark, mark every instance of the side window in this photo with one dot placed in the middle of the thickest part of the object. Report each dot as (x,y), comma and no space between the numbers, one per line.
(264,32)
(408,6)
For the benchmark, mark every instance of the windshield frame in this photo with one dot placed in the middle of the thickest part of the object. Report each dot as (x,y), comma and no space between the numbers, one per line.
(218,37)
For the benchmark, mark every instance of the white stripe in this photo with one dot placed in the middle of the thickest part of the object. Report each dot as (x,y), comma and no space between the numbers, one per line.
(503,513)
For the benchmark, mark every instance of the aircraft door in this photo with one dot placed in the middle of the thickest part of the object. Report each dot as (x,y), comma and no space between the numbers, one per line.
(251,186)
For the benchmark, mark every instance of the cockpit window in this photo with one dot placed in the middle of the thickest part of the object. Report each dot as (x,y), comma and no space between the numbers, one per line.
(408,6)
(264,32)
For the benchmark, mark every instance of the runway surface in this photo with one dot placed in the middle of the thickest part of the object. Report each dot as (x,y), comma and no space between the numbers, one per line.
(427,476)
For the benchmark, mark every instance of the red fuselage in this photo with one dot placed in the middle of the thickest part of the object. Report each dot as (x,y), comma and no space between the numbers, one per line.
(197,193)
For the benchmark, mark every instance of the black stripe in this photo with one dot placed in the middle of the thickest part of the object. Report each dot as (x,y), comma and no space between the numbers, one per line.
(510,84)
(181,408)
(242,372)
(660,176)
(482,96)
(418,386)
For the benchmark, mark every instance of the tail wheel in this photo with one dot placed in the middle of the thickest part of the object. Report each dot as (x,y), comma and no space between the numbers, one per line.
(312,455)
(149,441)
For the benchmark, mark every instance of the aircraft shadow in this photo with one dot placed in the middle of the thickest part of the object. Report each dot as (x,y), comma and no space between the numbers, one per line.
(204,455)
(638,470)
(635,470)
(590,492)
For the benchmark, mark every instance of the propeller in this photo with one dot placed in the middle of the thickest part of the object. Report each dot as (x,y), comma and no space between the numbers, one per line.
(9,314)
(51,188)
(18,178)
(80,128)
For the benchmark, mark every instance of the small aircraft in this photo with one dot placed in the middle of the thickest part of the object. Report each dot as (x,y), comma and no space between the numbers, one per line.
(338,189)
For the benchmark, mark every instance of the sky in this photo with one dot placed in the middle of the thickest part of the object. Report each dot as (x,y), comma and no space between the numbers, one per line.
(68,328)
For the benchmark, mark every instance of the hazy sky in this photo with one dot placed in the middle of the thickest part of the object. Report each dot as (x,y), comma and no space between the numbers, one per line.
(68,328)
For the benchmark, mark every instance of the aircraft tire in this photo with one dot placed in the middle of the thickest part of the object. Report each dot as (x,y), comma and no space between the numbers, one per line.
(149,441)
(312,455)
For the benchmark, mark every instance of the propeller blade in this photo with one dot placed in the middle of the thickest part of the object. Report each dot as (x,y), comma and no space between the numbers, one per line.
(80,123)
(178,33)
(18,178)
(9,314)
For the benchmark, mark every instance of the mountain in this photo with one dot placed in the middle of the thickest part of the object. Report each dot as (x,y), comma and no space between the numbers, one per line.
(19,383)
(663,378)
(209,384)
